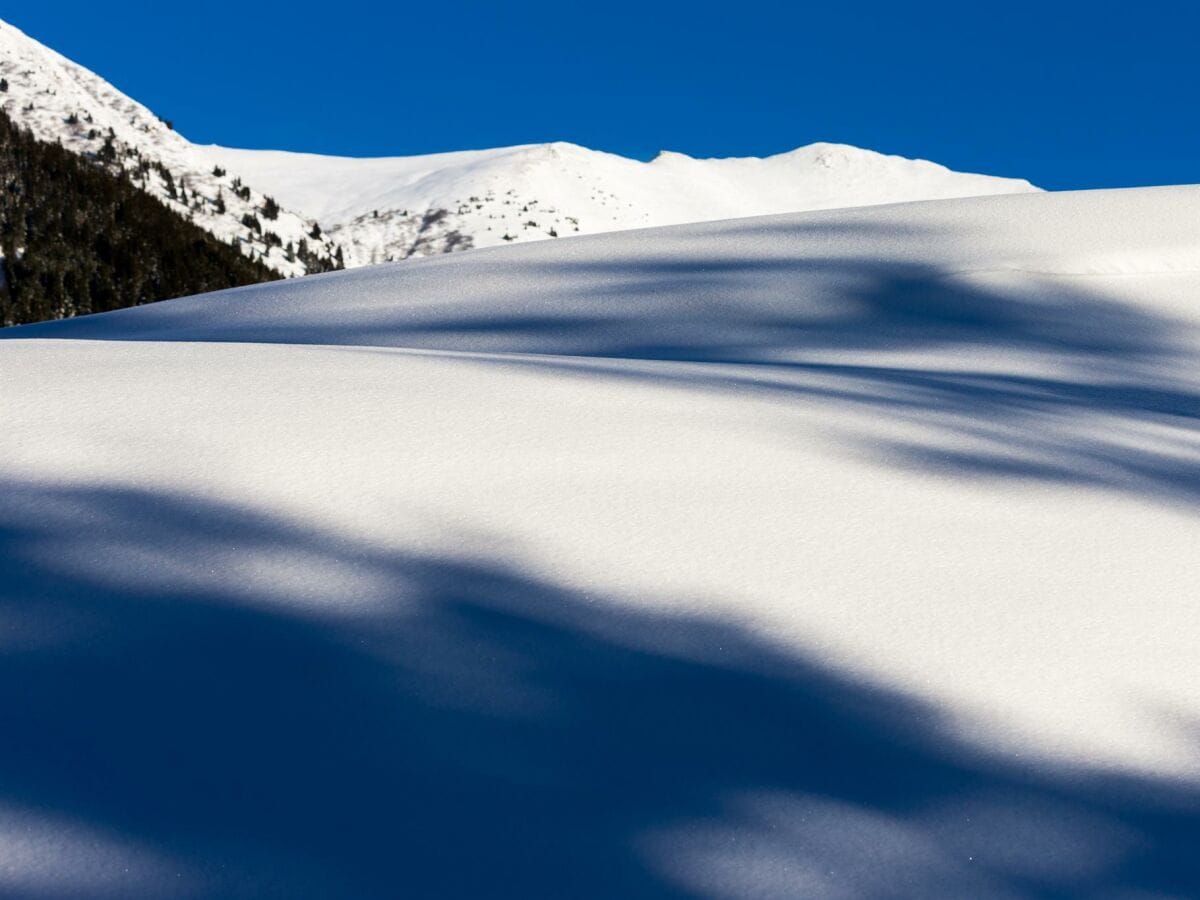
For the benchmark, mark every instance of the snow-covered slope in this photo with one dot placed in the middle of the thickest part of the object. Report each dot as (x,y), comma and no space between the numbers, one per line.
(845,554)
(390,209)
(385,209)
(64,102)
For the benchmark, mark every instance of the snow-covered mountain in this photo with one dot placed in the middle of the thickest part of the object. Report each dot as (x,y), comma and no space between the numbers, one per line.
(64,102)
(394,208)
(847,554)
(384,209)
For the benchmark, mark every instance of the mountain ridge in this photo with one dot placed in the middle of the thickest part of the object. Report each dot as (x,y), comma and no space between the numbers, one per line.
(557,189)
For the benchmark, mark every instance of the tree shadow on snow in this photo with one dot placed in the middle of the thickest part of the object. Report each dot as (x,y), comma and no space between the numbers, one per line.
(460,728)
(1040,381)
(1045,382)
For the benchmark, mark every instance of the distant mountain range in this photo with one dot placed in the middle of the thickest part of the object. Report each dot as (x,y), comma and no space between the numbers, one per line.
(386,209)
(377,210)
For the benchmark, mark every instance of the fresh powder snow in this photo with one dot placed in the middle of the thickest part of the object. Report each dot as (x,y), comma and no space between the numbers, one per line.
(828,555)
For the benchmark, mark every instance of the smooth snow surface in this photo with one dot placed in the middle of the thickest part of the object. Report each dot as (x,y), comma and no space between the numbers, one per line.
(846,554)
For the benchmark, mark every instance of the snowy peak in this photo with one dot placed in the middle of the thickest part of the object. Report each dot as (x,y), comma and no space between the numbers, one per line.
(60,101)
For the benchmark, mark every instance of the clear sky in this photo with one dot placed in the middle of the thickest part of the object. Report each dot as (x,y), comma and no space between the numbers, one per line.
(1066,93)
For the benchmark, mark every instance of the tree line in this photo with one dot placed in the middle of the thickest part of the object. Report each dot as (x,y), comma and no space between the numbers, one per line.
(77,237)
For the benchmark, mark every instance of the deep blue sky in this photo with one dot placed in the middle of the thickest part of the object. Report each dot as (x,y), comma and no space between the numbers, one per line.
(1068,94)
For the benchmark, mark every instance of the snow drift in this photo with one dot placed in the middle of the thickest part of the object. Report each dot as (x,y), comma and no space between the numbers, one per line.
(845,554)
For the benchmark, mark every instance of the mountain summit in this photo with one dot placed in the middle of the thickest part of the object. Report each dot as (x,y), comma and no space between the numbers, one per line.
(62,102)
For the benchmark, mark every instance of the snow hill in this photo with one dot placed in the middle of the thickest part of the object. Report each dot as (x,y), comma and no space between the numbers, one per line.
(388,209)
(841,554)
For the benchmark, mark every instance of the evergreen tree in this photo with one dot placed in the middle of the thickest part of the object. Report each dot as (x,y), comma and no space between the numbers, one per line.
(77,238)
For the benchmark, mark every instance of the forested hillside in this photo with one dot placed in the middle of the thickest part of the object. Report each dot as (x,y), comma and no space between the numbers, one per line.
(78,237)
